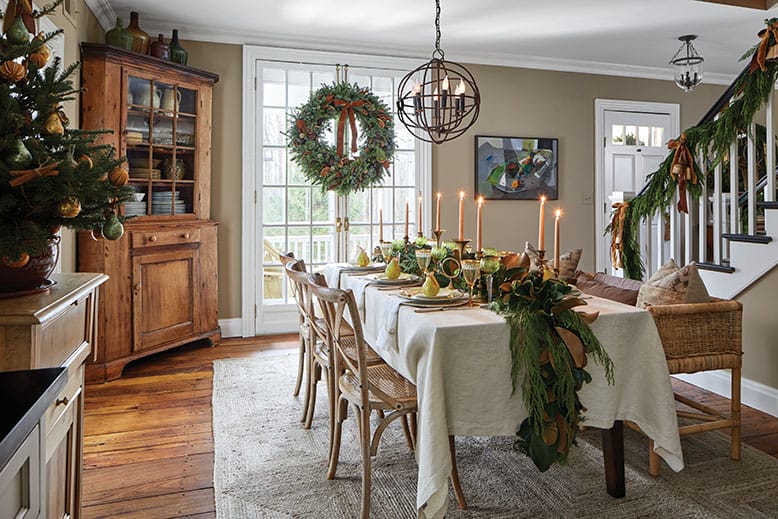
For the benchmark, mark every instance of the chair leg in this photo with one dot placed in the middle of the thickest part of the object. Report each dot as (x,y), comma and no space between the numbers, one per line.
(342,411)
(653,459)
(364,440)
(314,379)
(300,366)
(331,407)
(461,503)
(735,415)
(409,439)
(414,428)
(309,367)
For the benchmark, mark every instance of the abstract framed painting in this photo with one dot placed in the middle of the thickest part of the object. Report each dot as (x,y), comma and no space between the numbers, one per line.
(516,168)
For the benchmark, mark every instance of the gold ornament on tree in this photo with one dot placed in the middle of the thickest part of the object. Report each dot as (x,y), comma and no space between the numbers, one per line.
(119,176)
(56,121)
(70,207)
(41,57)
(12,71)
(20,262)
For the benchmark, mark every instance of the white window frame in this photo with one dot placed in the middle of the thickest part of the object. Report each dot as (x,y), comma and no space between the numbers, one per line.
(283,318)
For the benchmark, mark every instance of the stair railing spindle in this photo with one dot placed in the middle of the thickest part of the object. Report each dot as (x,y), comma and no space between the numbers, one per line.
(751,187)
(770,151)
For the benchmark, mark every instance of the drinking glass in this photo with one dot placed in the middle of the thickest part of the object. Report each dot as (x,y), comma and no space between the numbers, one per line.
(489,266)
(386,251)
(423,259)
(471,269)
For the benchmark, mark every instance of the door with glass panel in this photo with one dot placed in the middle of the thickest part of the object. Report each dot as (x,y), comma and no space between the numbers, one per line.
(293,216)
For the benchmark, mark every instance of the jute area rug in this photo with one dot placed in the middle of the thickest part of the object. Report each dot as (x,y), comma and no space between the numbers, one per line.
(267,466)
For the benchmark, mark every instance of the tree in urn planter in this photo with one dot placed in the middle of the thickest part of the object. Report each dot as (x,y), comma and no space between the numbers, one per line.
(50,175)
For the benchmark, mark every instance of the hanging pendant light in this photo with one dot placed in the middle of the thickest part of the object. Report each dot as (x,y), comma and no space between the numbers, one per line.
(687,64)
(426,104)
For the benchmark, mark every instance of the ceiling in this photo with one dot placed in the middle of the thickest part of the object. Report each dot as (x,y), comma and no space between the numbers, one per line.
(623,37)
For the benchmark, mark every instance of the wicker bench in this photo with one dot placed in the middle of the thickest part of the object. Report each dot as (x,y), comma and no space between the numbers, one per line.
(698,337)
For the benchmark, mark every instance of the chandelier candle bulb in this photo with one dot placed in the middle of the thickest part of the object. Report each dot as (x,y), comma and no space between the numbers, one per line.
(437,213)
(417,97)
(436,104)
(541,232)
(480,225)
(461,235)
(556,238)
(444,97)
(459,97)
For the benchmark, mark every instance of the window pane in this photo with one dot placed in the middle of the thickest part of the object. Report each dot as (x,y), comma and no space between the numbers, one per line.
(323,206)
(404,168)
(273,166)
(299,243)
(363,81)
(323,244)
(299,87)
(359,237)
(400,197)
(275,243)
(299,204)
(274,123)
(643,136)
(296,177)
(383,88)
(273,205)
(359,207)
(630,136)
(617,134)
(273,284)
(273,88)
(657,137)
(403,138)
(322,78)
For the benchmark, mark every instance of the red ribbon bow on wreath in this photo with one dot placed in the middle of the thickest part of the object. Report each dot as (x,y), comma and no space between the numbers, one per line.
(347,112)
(682,169)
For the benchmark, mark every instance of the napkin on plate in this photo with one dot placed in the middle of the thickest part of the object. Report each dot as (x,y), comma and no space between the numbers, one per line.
(387,334)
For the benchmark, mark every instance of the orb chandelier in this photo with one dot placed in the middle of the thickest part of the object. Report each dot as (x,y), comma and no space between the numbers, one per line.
(687,64)
(439,100)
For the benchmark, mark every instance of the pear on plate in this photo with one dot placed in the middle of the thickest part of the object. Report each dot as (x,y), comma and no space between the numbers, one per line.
(430,288)
(392,270)
(363,260)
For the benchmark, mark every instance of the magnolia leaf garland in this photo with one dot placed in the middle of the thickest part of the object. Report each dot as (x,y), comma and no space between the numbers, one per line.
(550,344)
(331,166)
(679,171)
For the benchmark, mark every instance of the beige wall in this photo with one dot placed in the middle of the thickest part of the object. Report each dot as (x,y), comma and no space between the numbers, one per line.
(82,27)
(760,331)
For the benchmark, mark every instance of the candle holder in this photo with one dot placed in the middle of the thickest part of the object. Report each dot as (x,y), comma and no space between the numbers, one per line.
(540,260)
(438,236)
(407,242)
(420,234)
(479,254)
(461,244)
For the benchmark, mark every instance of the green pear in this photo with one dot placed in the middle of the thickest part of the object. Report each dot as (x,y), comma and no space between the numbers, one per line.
(363,260)
(430,288)
(392,270)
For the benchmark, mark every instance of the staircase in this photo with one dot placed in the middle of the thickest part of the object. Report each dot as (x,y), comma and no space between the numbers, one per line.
(732,231)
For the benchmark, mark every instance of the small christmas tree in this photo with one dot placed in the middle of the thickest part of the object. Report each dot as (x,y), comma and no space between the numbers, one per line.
(50,175)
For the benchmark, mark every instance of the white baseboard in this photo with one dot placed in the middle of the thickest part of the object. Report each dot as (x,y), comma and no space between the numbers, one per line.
(231,327)
(753,394)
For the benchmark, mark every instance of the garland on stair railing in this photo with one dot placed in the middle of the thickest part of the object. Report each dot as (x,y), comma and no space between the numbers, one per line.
(712,138)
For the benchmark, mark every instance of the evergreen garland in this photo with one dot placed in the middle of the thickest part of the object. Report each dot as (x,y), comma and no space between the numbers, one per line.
(321,162)
(31,119)
(711,139)
(549,344)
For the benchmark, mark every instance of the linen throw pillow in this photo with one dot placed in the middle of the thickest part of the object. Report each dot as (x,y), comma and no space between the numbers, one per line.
(590,284)
(568,265)
(673,285)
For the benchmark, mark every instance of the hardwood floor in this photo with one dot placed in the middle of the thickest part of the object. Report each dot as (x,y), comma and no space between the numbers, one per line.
(148,443)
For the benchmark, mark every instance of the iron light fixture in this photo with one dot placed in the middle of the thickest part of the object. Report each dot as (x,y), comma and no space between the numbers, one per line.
(439,100)
(687,64)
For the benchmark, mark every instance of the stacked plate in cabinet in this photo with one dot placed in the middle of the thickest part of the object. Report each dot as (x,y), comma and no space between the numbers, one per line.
(135,208)
(163,202)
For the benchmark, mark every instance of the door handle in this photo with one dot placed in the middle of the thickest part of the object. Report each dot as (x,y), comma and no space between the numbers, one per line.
(346,224)
(338,224)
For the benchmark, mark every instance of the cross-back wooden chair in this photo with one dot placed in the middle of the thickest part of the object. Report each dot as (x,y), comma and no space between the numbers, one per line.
(366,388)
(285,260)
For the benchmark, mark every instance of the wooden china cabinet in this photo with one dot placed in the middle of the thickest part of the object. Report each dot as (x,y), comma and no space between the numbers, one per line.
(162,290)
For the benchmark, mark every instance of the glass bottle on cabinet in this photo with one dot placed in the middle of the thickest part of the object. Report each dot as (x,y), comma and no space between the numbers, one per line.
(161,148)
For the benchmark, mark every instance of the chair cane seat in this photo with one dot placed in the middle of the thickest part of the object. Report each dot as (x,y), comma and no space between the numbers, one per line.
(349,346)
(400,392)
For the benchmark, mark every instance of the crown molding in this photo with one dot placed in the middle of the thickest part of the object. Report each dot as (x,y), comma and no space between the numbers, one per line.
(209,34)
(103,11)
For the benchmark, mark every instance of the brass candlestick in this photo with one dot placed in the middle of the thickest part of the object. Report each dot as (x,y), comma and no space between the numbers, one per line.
(438,236)
(461,244)
(479,254)
(540,260)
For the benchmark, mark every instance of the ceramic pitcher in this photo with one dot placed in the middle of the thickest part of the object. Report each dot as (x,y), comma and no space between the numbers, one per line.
(171,98)
(143,96)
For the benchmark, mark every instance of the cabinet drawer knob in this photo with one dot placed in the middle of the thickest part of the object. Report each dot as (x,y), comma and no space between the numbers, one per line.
(61,401)
(186,236)
(153,238)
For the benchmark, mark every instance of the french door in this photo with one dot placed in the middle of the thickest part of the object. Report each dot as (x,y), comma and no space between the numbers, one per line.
(292,216)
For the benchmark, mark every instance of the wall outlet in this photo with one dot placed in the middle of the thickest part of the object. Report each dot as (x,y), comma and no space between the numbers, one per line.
(587,198)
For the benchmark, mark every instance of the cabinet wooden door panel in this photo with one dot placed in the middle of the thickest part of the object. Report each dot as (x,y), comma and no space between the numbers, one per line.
(63,463)
(163,296)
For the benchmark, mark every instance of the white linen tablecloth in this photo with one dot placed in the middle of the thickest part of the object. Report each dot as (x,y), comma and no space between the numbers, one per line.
(460,361)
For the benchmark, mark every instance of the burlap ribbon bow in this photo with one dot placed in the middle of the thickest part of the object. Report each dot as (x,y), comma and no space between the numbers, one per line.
(759,59)
(21,8)
(617,233)
(682,169)
(25,175)
(347,113)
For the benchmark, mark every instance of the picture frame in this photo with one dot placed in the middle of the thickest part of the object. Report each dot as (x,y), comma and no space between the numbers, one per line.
(516,168)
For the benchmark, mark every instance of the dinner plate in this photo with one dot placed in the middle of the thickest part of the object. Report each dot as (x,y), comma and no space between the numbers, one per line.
(404,279)
(445,296)
(368,268)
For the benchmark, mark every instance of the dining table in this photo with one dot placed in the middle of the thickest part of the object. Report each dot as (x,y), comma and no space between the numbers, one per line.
(460,361)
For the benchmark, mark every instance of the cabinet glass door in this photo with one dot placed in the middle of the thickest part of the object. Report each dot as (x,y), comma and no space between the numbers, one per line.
(160,146)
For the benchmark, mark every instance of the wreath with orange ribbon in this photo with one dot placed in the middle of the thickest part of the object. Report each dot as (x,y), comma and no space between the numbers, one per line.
(366,161)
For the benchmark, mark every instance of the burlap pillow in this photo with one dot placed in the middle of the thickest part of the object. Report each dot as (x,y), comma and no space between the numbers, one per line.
(568,265)
(671,285)
(589,284)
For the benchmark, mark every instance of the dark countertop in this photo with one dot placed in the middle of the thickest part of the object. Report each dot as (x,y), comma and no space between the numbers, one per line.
(24,397)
